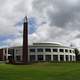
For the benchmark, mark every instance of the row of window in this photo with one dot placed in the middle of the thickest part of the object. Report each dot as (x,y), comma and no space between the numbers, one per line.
(48,58)
(49,50)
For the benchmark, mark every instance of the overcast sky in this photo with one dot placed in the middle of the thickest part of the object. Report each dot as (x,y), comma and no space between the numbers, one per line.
(49,21)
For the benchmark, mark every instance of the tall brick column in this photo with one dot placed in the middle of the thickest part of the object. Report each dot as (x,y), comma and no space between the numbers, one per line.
(25,40)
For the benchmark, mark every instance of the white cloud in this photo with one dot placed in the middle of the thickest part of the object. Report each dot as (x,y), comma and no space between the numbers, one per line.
(11,12)
(61,16)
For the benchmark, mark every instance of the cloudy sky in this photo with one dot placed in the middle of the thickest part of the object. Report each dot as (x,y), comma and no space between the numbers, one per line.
(49,21)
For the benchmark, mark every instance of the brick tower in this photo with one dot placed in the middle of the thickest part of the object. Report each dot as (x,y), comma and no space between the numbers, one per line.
(25,41)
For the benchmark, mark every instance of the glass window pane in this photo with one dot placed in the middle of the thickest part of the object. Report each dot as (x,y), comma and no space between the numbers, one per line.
(47,50)
(32,50)
(61,50)
(55,50)
(39,50)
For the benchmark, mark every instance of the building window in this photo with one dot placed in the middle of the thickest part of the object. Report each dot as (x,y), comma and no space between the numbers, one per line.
(61,50)
(32,50)
(61,57)
(55,57)
(48,57)
(66,50)
(47,50)
(11,51)
(32,58)
(40,57)
(17,51)
(5,51)
(18,58)
(70,51)
(66,57)
(1,57)
(55,50)
(10,59)
(39,50)
(70,57)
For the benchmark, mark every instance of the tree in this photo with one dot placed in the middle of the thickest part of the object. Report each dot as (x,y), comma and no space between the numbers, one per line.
(76,53)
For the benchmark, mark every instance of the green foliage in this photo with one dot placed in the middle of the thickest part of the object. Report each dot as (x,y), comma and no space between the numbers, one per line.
(40,71)
(76,53)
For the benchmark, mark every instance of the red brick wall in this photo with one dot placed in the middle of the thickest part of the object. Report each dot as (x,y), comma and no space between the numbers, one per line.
(1,54)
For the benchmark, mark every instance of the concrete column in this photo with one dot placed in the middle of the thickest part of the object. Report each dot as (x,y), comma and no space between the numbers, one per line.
(65,58)
(72,58)
(7,54)
(15,55)
(51,57)
(68,57)
(36,57)
(58,57)
(4,53)
(44,58)
(7,61)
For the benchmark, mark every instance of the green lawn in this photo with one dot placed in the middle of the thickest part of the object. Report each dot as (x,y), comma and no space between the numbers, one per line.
(40,71)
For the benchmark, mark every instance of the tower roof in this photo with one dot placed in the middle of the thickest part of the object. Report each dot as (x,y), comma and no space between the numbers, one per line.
(25,19)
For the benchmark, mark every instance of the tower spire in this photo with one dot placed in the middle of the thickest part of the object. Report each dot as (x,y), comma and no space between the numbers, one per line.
(25,19)
(25,40)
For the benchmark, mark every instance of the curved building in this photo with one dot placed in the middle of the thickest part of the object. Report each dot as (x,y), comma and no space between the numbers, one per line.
(41,52)
(50,52)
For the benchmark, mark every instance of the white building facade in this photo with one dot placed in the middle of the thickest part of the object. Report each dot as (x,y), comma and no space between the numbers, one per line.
(42,52)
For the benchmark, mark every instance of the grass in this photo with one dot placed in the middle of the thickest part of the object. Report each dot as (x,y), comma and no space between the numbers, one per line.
(40,71)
